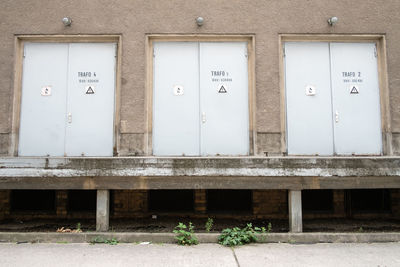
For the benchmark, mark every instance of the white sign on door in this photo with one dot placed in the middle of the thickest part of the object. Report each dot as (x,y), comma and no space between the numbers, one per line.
(46,91)
(310,90)
(178,90)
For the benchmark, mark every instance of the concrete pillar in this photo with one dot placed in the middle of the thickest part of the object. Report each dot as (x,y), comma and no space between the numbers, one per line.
(295,212)
(102,210)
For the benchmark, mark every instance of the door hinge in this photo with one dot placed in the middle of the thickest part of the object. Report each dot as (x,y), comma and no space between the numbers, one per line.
(24,52)
(284,52)
(154,54)
(375,51)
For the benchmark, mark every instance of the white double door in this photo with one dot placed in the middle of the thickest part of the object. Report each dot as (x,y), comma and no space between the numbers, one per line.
(67,102)
(200,98)
(332,99)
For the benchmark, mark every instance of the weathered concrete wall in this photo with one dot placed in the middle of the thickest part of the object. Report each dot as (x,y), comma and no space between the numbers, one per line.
(135,18)
(396,143)
(4,204)
(395,199)
(4,143)
(129,203)
(200,201)
(271,203)
(61,203)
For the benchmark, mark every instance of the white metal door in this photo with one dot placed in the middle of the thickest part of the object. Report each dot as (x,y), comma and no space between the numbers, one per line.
(67,105)
(43,100)
(224,99)
(200,99)
(308,99)
(90,105)
(332,99)
(356,101)
(176,99)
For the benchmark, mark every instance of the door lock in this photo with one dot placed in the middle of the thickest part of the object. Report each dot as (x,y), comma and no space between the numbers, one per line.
(203,117)
(336,116)
(69,117)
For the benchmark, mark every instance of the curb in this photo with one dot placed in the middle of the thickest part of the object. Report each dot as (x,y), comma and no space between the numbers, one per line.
(129,237)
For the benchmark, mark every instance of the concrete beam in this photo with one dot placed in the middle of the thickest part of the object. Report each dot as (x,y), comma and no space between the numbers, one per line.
(293,173)
(295,212)
(103,210)
(198,182)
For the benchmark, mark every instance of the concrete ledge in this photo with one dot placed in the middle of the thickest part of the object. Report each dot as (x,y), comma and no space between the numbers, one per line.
(294,173)
(203,237)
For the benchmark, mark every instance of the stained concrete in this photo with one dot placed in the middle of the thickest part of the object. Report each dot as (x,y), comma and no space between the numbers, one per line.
(4,144)
(143,254)
(103,210)
(200,173)
(396,143)
(384,254)
(127,237)
(295,211)
(198,166)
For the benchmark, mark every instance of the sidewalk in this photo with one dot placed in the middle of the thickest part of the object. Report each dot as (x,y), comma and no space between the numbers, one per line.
(136,254)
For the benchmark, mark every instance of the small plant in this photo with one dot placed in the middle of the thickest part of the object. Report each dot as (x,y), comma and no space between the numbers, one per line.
(111,241)
(237,236)
(99,240)
(78,227)
(269,227)
(96,240)
(360,230)
(185,235)
(209,224)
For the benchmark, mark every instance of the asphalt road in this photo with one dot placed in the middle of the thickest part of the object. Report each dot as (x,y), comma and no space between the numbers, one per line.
(338,254)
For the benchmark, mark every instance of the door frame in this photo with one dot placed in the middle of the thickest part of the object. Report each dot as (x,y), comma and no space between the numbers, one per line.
(19,42)
(151,38)
(380,42)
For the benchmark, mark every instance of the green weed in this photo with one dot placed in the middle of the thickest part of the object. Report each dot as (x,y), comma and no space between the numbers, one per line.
(240,236)
(185,235)
(209,224)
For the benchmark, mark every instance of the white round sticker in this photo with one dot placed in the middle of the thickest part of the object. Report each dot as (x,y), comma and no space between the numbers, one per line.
(178,90)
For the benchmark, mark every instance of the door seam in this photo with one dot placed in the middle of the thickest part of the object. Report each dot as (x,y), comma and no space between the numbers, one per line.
(332,104)
(67,102)
(199,100)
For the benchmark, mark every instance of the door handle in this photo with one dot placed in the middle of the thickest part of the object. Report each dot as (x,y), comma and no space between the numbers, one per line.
(336,116)
(69,117)
(203,117)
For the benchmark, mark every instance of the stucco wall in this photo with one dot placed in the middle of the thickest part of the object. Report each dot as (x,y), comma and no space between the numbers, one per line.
(133,19)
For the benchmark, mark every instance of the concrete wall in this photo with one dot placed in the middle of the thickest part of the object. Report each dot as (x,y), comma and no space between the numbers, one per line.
(133,19)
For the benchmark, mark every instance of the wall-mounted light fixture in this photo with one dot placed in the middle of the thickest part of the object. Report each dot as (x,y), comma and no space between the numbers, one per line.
(67,21)
(332,21)
(200,21)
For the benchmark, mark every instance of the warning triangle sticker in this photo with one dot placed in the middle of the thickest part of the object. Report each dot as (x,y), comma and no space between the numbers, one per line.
(222,90)
(89,91)
(354,90)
